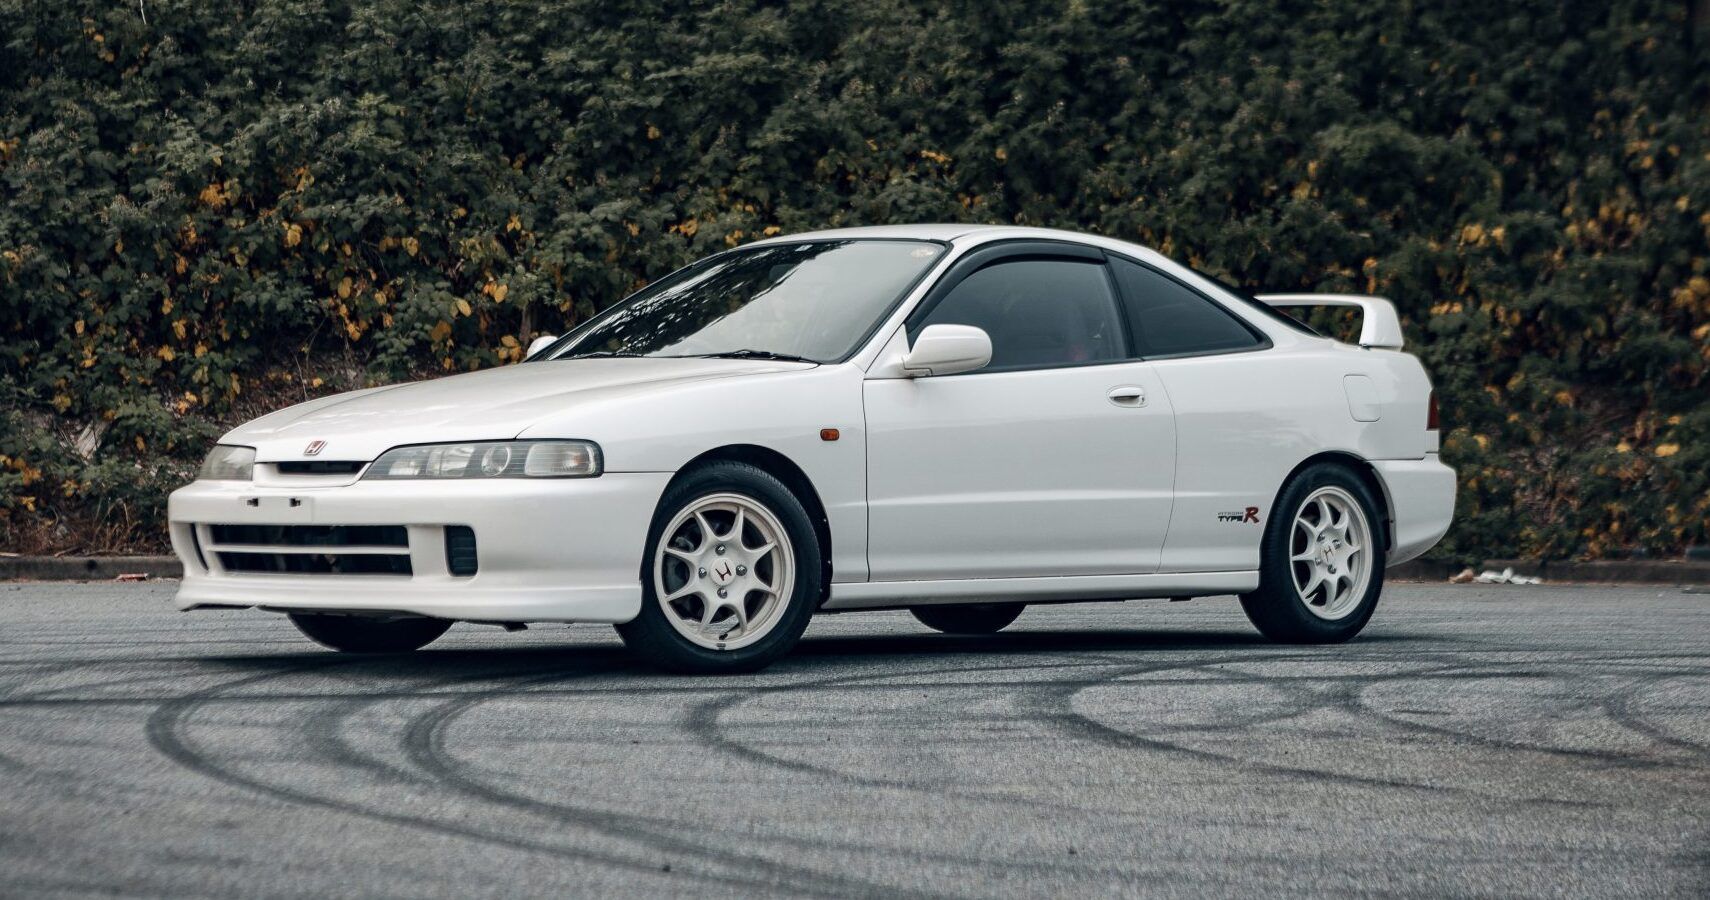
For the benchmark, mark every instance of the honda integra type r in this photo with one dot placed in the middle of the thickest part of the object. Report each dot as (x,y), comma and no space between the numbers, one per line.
(954,420)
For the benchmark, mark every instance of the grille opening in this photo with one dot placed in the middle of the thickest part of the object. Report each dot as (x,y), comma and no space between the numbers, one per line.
(321,467)
(317,563)
(312,535)
(460,558)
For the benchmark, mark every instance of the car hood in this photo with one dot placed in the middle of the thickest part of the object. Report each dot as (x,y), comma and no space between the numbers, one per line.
(495,404)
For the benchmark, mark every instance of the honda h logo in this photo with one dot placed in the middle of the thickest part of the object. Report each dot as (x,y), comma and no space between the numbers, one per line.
(314,448)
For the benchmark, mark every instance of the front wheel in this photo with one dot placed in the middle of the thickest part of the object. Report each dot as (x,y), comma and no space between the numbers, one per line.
(1322,561)
(733,573)
(982,618)
(362,634)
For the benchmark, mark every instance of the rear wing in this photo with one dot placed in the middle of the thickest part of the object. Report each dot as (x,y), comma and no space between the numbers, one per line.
(1380,326)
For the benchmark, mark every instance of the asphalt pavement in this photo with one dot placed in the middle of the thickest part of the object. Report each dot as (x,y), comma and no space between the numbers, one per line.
(1493,741)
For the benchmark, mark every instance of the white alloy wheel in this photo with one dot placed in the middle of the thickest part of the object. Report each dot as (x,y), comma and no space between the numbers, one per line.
(724,571)
(1330,553)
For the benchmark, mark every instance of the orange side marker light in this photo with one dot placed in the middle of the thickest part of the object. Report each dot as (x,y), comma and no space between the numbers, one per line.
(829,434)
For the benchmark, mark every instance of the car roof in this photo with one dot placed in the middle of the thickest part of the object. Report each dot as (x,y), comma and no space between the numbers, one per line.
(946,231)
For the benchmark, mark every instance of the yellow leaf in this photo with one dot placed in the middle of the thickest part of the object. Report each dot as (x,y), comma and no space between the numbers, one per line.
(165,353)
(178,328)
(463,306)
(653,132)
(411,245)
(1667,449)
(514,224)
(499,292)
(78,327)
(344,288)
(293,235)
(508,341)
(440,331)
(166,306)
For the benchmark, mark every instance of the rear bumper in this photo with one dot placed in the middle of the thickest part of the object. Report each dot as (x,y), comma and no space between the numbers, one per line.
(1421,500)
(548,550)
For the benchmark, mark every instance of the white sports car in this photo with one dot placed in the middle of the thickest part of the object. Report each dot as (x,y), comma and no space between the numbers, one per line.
(957,420)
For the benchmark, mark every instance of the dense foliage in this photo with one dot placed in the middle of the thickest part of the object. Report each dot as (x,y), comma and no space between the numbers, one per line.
(214,208)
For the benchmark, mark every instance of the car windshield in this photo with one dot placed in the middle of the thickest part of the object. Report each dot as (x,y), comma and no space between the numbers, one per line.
(814,301)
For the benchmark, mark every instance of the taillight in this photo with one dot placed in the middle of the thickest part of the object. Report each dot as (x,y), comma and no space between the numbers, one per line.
(1431,413)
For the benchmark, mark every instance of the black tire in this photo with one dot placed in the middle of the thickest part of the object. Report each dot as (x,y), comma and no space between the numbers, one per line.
(651,635)
(982,618)
(1277,608)
(362,634)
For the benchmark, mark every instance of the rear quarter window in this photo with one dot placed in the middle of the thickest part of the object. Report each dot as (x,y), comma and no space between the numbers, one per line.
(1172,319)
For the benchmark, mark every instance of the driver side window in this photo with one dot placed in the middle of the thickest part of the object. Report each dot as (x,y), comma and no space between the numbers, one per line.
(1040,313)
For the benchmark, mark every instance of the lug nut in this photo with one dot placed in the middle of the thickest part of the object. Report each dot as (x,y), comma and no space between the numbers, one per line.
(720,549)
(703,573)
(742,570)
(722,593)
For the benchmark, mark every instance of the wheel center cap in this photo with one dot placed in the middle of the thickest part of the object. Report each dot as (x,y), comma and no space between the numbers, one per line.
(722,572)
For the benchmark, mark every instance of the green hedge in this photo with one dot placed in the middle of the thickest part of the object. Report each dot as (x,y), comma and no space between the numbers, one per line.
(224,207)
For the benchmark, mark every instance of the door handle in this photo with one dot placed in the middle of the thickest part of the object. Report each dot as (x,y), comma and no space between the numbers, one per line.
(1128,395)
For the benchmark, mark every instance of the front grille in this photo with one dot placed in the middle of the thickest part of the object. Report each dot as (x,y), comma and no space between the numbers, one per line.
(312,535)
(316,563)
(311,549)
(321,467)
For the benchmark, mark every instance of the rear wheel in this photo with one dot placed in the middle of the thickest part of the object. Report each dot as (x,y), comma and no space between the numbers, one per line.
(983,618)
(363,634)
(1322,561)
(733,574)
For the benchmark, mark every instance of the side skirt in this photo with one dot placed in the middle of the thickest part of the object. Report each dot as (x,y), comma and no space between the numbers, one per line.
(1062,588)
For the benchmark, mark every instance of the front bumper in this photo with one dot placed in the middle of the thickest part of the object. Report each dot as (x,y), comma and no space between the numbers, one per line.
(1421,500)
(548,549)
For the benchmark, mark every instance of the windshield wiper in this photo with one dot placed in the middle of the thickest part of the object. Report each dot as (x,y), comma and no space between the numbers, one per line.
(601,354)
(755,354)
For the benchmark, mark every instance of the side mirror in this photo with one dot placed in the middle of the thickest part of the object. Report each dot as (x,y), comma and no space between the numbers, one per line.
(539,343)
(947,350)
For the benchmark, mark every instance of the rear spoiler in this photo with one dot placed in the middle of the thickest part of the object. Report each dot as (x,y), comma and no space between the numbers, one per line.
(1380,326)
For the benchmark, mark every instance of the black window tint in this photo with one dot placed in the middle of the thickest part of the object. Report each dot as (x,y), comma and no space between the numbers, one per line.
(1039,313)
(1171,319)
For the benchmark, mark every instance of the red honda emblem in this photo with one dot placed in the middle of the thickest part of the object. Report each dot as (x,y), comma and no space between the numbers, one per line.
(314,448)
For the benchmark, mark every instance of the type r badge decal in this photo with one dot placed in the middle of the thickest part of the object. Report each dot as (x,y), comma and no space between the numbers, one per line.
(1248,515)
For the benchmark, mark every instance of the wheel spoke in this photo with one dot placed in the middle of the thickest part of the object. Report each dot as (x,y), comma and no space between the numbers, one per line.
(735,535)
(707,535)
(686,556)
(1312,584)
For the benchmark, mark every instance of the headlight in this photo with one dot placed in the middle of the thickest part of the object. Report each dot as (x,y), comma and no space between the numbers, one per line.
(490,459)
(228,463)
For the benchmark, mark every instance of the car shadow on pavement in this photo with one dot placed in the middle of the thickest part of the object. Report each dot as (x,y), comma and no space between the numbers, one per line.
(497,661)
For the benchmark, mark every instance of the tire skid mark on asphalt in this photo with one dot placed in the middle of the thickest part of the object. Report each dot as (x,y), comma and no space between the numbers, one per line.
(424,745)
(1354,702)
(1620,710)
(1078,724)
(1350,697)
(165,734)
(705,721)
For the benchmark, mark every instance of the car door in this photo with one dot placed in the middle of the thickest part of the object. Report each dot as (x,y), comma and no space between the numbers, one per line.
(1240,420)
(1057,458)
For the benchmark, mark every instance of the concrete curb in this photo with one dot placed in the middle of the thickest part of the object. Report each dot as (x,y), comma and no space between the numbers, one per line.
(1612,571)
(87,568)
(1606,571)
